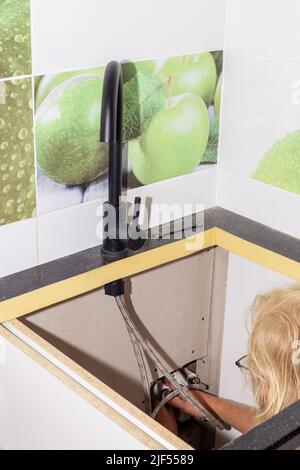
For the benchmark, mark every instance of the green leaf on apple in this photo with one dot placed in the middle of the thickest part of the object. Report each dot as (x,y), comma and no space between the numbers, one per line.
(144,97)
(130,69)
(218,57)
(211,152)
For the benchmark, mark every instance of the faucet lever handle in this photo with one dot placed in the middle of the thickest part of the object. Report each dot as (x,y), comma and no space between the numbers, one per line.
(135,238)
(137,210)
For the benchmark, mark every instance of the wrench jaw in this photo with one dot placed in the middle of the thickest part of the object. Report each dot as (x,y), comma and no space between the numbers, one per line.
(160,391)
(184,376)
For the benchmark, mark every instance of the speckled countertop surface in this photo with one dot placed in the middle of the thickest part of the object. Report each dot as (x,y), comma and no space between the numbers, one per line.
(275,433)
(87,260)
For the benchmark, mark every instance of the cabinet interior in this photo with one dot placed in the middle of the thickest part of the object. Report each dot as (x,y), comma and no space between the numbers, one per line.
(179,308)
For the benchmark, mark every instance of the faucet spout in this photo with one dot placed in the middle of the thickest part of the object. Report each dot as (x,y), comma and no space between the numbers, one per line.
(112,133)
(112,128)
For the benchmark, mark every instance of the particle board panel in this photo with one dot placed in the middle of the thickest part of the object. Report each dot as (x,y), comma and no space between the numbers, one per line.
(90,414)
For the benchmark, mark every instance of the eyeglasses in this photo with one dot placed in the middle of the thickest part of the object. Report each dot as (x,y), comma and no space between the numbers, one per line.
(242,363)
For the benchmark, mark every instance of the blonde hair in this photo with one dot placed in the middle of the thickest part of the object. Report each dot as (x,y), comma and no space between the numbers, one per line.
(275,377)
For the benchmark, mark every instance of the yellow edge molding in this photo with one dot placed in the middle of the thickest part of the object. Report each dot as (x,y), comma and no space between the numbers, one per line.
(68,288)
(257,254)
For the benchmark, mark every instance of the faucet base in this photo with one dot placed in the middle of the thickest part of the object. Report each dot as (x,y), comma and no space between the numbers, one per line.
(113,250)
(115,288)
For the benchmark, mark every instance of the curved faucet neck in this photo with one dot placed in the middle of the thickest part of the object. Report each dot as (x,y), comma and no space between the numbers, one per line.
(114,244)
(112,127)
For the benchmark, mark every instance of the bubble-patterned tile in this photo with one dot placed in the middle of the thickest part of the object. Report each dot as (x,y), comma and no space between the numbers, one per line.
(15,47)
(17,167)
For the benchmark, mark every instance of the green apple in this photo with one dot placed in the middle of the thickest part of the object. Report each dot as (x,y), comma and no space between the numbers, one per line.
(67,132)
(191,74)
(218,94)
(130,69)
(174,143)
(48,83)
(281,164)
(15,50)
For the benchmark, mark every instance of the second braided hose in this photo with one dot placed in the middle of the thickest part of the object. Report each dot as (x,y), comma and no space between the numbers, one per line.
(183,391)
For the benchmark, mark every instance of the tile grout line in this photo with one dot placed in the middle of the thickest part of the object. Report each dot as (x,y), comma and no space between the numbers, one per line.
(34,135)
(35,171)
(222,114)
(263,56)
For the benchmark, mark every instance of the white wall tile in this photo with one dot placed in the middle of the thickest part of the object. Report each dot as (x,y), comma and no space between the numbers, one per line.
(265,27)
(67,231)
(18,246)
(77,228)
(75,34)
(264,203)
(261,104)
(186,192)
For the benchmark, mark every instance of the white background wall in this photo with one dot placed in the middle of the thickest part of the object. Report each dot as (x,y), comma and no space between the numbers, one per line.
(262,66)
(267,28)
(245,281)
(260,105)
(71,34)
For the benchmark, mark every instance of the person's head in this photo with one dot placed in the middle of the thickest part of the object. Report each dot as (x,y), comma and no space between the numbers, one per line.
(274,372)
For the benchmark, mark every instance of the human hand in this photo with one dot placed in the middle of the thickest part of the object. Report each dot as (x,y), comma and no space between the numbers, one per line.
(186,407)
(166,417)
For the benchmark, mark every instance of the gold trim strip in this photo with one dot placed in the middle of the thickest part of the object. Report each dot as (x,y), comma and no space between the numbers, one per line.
(257,254)
(68,288)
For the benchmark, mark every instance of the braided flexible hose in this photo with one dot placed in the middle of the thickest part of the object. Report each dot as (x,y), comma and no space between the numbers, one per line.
(183,391)
(170,397)
(163,403)
(140,359)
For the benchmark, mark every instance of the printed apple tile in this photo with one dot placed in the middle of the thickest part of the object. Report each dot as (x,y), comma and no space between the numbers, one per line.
(15,47)
(17,167)
(170,122)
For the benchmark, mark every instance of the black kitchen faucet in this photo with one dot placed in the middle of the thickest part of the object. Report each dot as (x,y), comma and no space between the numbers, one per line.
(118,235)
